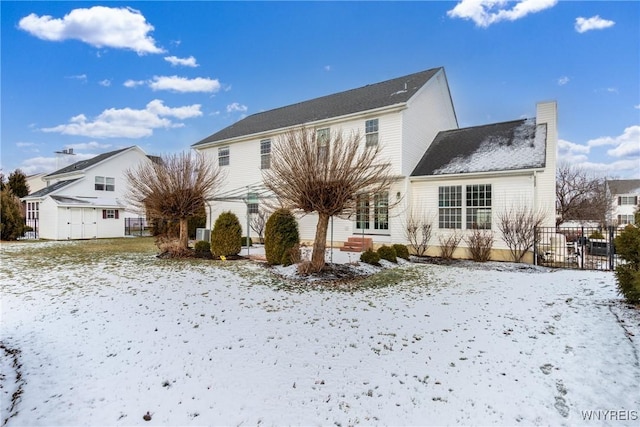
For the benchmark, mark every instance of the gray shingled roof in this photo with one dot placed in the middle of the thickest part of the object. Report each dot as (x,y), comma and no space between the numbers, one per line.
(383,94)
(84,164)
(519,144)
(51,188)
(624,186)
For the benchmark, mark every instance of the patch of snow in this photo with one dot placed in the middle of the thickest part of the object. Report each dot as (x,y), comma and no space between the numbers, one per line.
(213,343)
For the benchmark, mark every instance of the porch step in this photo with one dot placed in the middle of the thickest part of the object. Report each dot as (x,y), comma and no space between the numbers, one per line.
(357,244)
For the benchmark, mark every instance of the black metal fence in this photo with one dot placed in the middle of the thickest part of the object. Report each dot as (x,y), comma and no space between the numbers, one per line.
(586,248)
(31,231)
(136,227)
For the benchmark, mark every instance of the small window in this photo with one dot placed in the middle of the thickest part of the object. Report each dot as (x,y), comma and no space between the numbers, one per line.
(371,132)
(265,154)
(99,183)
(110,214)
(223,156)
(253,208)
(110,184)
(626,219)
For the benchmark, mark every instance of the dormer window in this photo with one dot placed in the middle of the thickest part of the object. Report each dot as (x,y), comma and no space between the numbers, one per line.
(371,132)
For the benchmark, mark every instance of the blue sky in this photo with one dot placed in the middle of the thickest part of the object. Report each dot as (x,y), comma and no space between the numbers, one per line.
(163,75)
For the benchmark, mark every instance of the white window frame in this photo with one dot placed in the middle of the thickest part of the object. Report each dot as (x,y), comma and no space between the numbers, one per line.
(323,137)
(371,127)
(224,156)
(265,154)
(450,207)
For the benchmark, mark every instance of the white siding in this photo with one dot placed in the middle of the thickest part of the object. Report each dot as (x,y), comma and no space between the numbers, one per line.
(429,111)
(545,197)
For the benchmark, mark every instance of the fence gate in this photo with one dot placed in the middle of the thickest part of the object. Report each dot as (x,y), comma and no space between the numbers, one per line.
(586,248)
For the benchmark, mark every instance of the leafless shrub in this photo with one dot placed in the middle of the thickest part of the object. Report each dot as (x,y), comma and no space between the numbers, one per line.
(174,188)
(449,244)
(172,248)
(325,174)
(295,254)
(258,222)
(305,268)
(480,243)
(418,233)
(517,227)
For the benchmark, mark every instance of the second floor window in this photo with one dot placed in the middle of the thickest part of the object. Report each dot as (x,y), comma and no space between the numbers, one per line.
(627,200)
(371,132)
(323,136)
(223,156)
(105,183)
(265,154)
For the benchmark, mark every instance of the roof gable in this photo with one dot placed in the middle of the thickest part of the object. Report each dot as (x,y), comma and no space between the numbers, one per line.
(383,94)
(519,144)
(85,164)
(624,186)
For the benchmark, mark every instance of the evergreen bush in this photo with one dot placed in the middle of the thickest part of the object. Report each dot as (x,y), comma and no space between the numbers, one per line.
(243,241)
(370,257)
(226,235)
(401,251)
(12,223)
(627,246)
(281,237)
(388,253)
(202,247)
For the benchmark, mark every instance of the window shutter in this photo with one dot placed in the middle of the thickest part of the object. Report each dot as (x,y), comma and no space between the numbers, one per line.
(117,211)
(619,200)
(635,200)
(104,214)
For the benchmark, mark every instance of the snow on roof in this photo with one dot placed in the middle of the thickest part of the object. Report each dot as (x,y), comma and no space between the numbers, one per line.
(519,144)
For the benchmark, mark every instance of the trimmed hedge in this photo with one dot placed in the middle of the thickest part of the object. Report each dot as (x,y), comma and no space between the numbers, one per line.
(243,241)
(202,247)
(627,246)
(281,237)
(401,251)
(370,257)
(388,253)
(226,235)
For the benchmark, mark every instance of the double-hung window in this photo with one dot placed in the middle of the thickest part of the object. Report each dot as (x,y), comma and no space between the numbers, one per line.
(99,186)
(265,154)
(371,132)
(223,156)
(625,219)
(627,200)
(103,183)
(479,207)
(450,207)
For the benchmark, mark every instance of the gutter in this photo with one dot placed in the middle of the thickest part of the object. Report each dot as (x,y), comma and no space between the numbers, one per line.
(470,175)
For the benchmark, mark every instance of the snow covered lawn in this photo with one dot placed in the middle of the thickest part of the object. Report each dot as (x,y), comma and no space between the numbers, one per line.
(198,342)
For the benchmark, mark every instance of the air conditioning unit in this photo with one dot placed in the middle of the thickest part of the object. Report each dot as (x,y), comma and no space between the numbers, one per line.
(203,234)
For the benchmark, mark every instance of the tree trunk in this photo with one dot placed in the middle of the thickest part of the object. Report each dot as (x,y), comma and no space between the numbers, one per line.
(320,243)
(184,233)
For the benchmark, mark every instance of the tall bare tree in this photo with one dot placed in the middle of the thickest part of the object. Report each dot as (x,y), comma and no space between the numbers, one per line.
(325,173)
(580,196)
(173,188)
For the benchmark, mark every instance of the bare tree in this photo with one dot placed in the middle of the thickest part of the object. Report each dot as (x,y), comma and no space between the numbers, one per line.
(174,188)
(517,226)
(579,195)
(418,232)
(258,222)
(480,243)
(449,243)
(325,174)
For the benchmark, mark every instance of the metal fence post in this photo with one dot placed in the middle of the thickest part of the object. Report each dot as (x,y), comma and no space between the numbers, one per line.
(610,247)
(535,245)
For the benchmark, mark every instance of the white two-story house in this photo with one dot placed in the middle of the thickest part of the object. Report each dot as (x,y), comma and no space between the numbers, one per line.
(414,120)
(86,199)
(624,196)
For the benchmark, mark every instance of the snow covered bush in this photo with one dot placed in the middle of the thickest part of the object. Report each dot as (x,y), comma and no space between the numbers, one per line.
(401,251)
(281,238)
(370,257)
(226,236)
(627,246)
(388,253)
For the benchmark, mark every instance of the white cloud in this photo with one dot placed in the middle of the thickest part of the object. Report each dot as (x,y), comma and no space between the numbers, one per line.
(81,77)
(637,107)
(91,146)
(133,83)
(626,145)
(563,80)
(236,107)
(487,12)
(327,67)
(127,122)
(183,84)
(185,62)
(594,23)
(567,147)
(99,26)
(25,144)
(105,83)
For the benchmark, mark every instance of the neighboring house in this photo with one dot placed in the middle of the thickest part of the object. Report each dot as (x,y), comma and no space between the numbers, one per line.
(625,197)
(84,200)
(456,178)
(35,182)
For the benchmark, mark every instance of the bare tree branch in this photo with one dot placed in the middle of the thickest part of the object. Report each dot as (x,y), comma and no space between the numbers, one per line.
(174,188)
(312,174)
(579,195)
